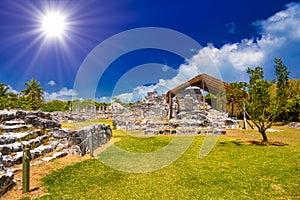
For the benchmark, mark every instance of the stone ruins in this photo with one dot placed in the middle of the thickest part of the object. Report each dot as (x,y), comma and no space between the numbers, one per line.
(182,110)
(191,116)
(42,133)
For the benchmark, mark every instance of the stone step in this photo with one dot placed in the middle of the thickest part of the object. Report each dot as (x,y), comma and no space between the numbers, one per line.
(55,155)
(10,160)
(14,122)
(13,128)
(7,149)
(14,137)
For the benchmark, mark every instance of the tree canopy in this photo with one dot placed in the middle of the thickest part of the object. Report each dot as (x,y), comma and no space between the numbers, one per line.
(33,93)
(265,105)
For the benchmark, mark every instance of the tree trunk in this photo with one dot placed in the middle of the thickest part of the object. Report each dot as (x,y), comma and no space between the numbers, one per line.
(265,138)
(232,109)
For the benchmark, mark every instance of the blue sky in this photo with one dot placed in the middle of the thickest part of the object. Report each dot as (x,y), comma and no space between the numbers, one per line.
(234,35)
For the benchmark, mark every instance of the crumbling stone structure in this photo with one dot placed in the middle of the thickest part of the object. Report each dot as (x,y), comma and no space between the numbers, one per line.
(182,110)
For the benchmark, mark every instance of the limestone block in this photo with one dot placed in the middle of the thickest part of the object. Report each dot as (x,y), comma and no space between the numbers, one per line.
(58,133)
(18,157)
(44,149)
(8,161)
(6,149)
(35,153)
(59,154)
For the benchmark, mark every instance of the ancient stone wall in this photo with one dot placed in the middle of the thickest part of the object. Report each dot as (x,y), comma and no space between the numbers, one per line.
(42,133)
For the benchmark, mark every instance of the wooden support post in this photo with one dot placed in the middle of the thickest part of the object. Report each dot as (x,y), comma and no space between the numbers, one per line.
(26,170)
(170,106)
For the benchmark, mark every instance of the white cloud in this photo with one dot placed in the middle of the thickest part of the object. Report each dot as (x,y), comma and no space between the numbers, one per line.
(12,90)
(51,83)
(64,94)
(285,23)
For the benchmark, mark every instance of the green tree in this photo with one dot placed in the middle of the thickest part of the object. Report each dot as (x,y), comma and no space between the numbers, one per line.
(293,103)
(236,95)
(12,99)
(3,90)
(292,106)
(55,105)
(3,96)
(265,105)
(33,93)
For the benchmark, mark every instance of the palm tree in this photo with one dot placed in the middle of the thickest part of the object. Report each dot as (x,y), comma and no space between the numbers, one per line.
(3,90)
(33,92)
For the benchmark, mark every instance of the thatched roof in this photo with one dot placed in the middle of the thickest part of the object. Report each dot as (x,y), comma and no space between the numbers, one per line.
(206,82)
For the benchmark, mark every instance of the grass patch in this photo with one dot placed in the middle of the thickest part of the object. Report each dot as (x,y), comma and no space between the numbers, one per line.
(79,125)
(234,169)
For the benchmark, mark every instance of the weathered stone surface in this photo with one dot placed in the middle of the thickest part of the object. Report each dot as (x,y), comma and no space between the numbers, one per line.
(14,122)
(7,138)
(8,161)
(44,149)
(12,128)
(21,114)
(48,159)
(45,123)
(59,154)
(76,150)
(35,153)
(29,119)
(6,149)
(6,115)
(18,157)
(6,182)
(58,133)
(74,141)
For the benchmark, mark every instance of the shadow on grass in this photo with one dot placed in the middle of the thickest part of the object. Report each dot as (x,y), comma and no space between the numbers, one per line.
(251,142)
(238,143)
(275,143)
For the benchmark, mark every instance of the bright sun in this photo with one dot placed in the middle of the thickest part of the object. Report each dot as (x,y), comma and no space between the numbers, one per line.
(53,25)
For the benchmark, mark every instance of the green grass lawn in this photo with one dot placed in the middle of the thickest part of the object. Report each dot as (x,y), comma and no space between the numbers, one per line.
(232,170)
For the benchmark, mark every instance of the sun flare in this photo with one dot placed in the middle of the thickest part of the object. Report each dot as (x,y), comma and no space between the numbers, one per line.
(53,25)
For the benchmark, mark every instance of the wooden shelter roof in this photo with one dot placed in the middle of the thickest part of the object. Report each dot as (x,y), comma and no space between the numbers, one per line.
(204,81)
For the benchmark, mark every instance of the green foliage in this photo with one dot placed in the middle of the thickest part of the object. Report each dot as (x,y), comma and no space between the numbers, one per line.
(265,105)
(33,94)
(3,90)
(236,95)
(292,111)
(55,105)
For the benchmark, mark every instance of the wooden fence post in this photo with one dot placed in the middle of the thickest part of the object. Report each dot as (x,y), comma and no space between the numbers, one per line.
(26,170)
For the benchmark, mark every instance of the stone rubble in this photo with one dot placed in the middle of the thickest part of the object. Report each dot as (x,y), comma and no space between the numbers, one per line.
(191,116)
(294,125)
